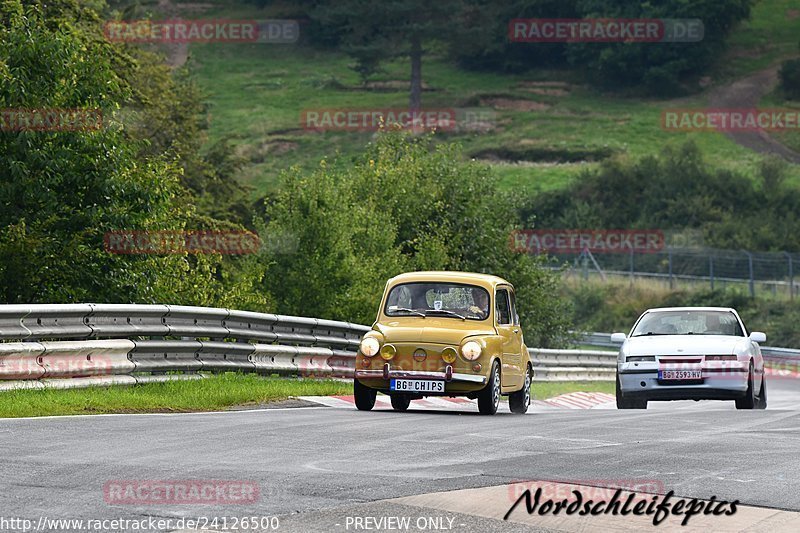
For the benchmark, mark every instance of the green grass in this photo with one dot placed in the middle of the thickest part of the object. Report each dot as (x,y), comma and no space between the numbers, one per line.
(257,93)
(769,36)
(776,100)
(544,390)
(220,391)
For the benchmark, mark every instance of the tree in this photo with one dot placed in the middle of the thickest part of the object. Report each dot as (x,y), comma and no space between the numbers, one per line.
(374,32)
(400,206)
(62,191)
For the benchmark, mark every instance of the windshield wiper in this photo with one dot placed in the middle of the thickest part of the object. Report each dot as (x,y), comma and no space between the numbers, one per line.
(649,333)
(407,310)
(462,317)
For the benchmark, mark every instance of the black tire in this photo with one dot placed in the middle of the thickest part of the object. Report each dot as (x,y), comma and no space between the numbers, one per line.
(628,403)
(489,397)
(365,397)
(749,399)
(762,394)
(519,401)
(400,402)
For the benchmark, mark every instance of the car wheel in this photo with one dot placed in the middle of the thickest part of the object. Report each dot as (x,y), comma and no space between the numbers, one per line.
(489,397)
(400,402)
(749,399)
(628,403)
(365,397)
(519,401)
(762,395)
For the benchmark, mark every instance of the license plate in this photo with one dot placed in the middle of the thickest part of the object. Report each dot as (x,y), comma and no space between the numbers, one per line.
(680,374)
(416,385)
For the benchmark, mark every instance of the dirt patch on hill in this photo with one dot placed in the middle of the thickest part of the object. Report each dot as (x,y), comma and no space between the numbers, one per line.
(546,92)
(559,84)
(391,86)
(258,154)
(513,104)
(792,14)
(544,154)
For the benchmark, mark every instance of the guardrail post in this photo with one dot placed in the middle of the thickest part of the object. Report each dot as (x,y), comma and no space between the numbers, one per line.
(750,268)
(791,275)
(711,270)
(631,260)
(669,260)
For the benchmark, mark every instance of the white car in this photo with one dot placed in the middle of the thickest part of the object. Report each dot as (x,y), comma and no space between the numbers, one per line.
(690,353)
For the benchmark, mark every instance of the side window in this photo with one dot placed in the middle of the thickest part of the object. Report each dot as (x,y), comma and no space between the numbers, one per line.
(501,307)
(514,317)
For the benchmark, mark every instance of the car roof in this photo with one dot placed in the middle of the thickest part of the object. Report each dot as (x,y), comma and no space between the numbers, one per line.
(657,309)
(486,280)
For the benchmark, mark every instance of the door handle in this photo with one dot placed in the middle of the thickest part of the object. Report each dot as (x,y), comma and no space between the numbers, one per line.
(515,330)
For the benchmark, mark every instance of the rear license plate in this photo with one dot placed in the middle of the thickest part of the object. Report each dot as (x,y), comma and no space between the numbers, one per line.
(680,374)
(416,385)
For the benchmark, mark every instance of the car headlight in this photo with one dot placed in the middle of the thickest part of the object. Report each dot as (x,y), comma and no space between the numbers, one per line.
(471,350)
(369,346)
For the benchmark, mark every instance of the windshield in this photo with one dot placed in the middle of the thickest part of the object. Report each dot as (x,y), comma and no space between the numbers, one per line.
(688,323)
(453,300)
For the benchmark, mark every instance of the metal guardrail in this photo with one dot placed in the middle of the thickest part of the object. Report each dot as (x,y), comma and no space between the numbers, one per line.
(573,365)
(78,345)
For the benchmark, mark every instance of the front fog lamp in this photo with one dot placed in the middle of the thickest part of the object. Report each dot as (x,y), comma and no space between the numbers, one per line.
(449,355)
(369,346)
(471,350)
(388,351)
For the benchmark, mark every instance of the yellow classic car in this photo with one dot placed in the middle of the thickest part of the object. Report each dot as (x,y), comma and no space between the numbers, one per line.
(445,334)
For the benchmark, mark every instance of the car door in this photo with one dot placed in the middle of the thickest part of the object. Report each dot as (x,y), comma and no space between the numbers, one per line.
(511,358)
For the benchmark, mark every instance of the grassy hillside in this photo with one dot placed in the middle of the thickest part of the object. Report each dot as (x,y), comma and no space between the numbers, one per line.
(547,127)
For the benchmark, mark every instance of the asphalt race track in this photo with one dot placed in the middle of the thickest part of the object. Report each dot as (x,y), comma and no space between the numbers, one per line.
(320,468)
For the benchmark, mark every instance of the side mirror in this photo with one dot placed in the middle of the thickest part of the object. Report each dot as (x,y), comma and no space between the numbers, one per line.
(758,336)
(618,338)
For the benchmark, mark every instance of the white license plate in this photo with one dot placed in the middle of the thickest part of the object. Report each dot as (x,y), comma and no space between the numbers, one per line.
(680,374)
(416,385)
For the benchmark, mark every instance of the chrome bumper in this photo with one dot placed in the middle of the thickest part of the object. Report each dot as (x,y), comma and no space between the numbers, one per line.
(448,375)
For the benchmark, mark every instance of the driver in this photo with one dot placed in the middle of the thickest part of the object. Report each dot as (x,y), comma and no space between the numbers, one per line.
(480,306)
(713,323)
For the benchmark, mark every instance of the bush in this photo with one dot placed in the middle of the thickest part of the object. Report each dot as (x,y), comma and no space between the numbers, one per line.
(790,79)
(677,189)
(400,206)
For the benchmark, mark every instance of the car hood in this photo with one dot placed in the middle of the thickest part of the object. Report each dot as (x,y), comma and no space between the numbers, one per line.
(433,330)
(683,345)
